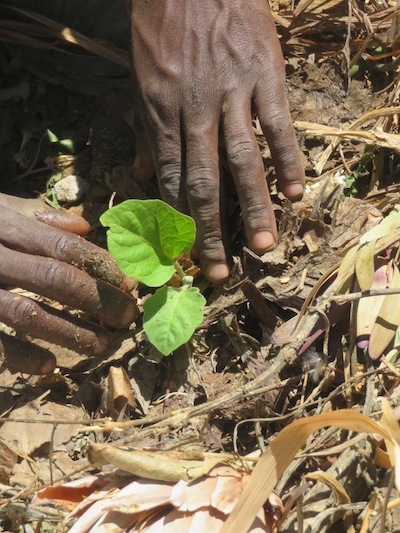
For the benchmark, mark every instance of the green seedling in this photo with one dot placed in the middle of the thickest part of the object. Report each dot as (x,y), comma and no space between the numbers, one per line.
(63,145)
(146,237)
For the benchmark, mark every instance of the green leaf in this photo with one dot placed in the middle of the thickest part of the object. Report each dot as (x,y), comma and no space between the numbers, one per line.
(68,144)
(52,137)
(146,237)
(171,316)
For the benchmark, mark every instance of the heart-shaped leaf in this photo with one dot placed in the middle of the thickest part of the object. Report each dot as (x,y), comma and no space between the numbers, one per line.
(146,237)
(171,316)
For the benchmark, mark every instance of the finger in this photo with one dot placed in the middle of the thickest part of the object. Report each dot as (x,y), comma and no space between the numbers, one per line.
(68,285)
(21,356)
(43,322)
(61,220)
(273,113)
(33,237)
(247,169)
(204,196)
(39,210)
(164,130)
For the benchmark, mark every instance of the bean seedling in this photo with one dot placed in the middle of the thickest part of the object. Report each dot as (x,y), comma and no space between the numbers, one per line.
(146,237)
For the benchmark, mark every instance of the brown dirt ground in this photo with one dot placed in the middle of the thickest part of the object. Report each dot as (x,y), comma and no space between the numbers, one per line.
(234,382)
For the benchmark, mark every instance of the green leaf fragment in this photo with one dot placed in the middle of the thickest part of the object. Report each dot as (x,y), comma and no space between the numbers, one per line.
(171,316)
(52,137)
(68,144)
(146,237)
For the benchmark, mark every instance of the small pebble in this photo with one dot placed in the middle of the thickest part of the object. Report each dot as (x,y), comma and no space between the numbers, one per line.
(71,189)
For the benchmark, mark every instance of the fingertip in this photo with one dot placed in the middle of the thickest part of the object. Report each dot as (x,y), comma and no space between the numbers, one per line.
(262,241)
(48,365)
(61,220)
(129,314)
(294,190)
(217,272)
(102,343)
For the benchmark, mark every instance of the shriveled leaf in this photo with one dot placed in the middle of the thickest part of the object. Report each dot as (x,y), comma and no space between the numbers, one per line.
(151,465)
(118,504)
(171,316)
(146,237)
(185,499)
(281,452)
(365,265)
(118,393)
(70,494)
(387,321)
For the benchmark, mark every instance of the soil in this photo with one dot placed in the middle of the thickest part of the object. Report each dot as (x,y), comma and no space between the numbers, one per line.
(247,372)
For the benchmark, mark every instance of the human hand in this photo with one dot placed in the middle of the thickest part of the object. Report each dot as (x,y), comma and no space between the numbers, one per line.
(200,68)
(47,260)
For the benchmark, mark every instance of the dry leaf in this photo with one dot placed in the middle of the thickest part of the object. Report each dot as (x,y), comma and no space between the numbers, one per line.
(387,321)
(8,459)
(152,506)
(28,437)
(279,455)
(369,307)
(365,265)
(119,392)
(163,466)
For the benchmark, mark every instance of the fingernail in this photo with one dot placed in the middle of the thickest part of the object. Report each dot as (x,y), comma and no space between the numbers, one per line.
(294,191)
(262,241)
(217,272)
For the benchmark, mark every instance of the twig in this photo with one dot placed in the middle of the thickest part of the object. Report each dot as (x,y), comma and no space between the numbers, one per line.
(342,298)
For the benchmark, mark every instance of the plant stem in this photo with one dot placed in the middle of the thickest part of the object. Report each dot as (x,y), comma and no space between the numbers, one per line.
(179,270)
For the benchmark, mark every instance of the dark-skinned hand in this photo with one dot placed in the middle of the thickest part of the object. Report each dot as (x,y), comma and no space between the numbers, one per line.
(200,69)
(41,251)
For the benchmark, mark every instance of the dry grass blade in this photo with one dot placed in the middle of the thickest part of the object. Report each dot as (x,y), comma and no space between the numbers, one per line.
(315,6)
(59,31)
(279,455)
(372,115)
(378,138)
(336,487)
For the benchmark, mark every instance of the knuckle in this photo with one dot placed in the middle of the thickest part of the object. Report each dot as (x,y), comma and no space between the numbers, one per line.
(211,248)
(256,209)
(279,125)
(21,311)
(202,188)
(242,153)
(59,243)
(63,243)
(56,277)
(170,179)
